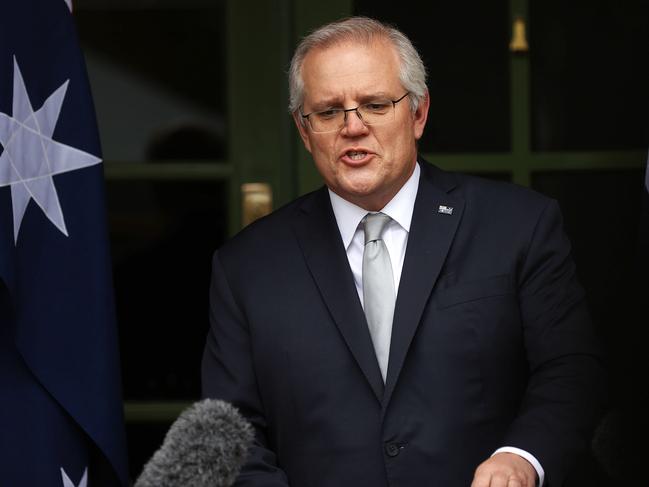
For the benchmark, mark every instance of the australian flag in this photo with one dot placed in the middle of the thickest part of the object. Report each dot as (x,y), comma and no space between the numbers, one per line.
(61,419)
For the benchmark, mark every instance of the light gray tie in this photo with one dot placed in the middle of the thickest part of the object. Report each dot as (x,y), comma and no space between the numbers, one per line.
(378,287)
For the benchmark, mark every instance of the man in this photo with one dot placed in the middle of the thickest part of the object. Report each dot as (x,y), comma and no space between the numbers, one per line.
(451,349)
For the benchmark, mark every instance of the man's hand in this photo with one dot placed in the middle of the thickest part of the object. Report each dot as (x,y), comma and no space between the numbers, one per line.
(505,470)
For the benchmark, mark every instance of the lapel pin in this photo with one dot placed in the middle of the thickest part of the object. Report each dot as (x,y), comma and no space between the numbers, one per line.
(447,210)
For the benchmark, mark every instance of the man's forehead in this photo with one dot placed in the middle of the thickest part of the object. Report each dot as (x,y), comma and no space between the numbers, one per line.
(351,69)
(318,97)
(376,48)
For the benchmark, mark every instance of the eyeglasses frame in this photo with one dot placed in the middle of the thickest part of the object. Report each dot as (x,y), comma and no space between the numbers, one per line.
(344,111)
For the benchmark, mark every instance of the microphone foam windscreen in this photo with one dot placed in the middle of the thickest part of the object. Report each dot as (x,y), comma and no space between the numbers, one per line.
(205,446)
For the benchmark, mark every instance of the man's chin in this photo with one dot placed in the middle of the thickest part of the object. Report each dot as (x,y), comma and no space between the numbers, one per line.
(365,197)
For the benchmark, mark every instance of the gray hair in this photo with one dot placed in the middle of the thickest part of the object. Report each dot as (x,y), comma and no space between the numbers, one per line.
(412,72)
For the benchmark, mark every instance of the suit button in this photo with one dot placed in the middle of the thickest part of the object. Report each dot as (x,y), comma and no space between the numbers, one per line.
(392,449)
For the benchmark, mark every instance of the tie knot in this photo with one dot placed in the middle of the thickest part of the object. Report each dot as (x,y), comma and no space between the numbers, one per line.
(373,225)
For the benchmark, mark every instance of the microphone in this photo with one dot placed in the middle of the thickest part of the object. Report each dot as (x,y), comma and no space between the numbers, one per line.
(205,446)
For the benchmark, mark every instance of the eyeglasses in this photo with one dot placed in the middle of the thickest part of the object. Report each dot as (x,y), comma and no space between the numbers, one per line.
(376,112)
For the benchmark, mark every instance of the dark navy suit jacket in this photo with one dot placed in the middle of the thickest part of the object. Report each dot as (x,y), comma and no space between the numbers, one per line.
(491,343)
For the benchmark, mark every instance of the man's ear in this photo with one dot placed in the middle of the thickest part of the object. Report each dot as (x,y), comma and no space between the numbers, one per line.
(421,115)
(301,127)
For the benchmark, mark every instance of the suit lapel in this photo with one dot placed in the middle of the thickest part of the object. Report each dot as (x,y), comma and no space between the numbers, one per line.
(319,238)
(431,234)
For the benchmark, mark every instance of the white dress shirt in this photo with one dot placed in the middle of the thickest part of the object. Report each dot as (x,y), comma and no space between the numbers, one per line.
(395,235)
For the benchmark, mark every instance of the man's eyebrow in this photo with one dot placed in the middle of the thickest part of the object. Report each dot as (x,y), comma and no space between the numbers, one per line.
(380,95)
(332,102)
(336,102)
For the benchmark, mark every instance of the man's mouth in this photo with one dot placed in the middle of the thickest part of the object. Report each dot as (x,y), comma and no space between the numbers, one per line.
(356,155)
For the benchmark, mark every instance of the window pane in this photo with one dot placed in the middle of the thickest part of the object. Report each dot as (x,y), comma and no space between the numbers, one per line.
(590,74)
(163,235)
(465,49)
(157,71)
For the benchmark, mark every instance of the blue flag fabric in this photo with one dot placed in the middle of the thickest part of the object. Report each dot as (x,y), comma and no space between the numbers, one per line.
(61,419)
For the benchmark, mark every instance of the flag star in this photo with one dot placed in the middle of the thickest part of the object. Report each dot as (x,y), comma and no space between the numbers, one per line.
(68,483)
(31,157)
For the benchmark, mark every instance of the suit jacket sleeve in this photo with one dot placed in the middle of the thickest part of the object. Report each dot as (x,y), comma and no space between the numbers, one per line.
(565,388)
(228,374)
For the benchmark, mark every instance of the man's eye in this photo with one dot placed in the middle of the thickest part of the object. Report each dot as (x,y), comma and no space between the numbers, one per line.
(377,107)
(327,114)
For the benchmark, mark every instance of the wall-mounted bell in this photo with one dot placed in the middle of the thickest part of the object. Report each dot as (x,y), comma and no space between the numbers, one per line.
(519,38)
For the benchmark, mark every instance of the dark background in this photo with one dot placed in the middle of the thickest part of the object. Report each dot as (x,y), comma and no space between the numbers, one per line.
(159,71)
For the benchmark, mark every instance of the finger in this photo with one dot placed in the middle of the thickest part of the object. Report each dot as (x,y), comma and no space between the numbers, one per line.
(481,479)
(514,482)
(499,479)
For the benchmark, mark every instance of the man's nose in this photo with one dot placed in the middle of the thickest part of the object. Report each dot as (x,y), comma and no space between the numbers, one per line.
(354,124)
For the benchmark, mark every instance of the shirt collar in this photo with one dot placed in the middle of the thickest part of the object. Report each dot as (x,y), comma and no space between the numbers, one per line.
(400,208)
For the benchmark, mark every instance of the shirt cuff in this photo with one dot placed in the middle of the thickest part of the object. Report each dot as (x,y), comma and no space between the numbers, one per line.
(527,456)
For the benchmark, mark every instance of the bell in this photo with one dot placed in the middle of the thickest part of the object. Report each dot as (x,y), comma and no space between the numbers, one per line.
(519,39)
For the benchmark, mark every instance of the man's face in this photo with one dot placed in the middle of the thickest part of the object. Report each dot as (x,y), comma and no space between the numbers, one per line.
(366,165)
